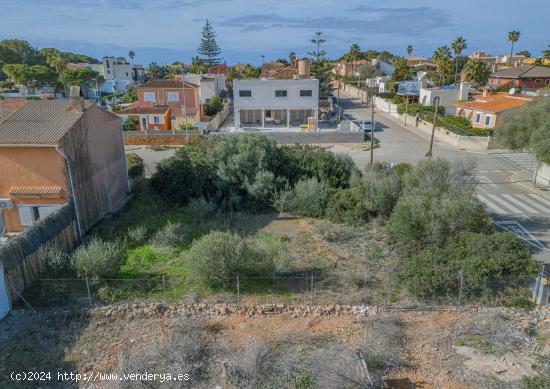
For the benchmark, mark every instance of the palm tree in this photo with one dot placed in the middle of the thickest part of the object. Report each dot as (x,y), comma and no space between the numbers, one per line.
(292,57)
(131,54)
(58,61)
(442,59)
(352,54)
(513,36)
(458,45)
(409,50)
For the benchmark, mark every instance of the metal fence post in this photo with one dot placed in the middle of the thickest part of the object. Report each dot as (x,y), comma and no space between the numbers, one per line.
(238,290)
(312,300)
(88,289)
(461,286)
(164,288)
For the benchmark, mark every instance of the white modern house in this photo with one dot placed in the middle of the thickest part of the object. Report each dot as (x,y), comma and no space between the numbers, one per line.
(210,85)
(118,73)
(447,95)
(276,103)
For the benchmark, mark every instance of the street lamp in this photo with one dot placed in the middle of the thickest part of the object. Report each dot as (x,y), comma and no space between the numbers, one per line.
(429,153)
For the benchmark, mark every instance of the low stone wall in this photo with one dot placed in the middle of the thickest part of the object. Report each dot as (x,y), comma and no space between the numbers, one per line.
(285,138)
(148,309)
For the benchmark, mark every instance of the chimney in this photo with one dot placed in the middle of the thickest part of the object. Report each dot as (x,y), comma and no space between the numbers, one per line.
(303,68)
(485,92)
(77,103)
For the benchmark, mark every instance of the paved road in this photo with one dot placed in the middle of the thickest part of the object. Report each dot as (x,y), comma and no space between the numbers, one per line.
(504,179)
(150,157)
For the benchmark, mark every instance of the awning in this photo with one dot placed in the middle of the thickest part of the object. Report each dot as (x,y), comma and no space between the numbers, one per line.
(36,191)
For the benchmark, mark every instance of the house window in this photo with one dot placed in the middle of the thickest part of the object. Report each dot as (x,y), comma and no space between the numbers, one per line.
(547,82)
(245,93)
(127,75)
(156,120)
(306,93)
(487,120)
(172,96)
(29,215)
(538,81)
(280,93)
(478,117)
(149,97)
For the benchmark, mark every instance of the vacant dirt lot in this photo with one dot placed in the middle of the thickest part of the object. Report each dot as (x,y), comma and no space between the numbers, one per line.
(483,348)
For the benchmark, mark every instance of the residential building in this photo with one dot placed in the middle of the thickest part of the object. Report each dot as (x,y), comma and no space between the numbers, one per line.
(147,116)
(210,85)
(52,151)
(271,103)
(447,95)
(496,62)
(347,69)
(527,77)
(183,103)
(219,69)
(414,60)
(485,111)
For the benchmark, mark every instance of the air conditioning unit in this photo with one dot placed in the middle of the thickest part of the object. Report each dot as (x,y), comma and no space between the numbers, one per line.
(6,203)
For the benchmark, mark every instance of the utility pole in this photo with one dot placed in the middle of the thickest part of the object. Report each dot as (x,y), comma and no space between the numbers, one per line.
(406,108)
(429,153)
(372,130)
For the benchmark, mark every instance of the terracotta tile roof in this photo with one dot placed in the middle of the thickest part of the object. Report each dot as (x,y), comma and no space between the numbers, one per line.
(25,191)
(218,69)
(40,122)
(143,109)
(166,84)
(8,106)
(494,103)
(526,71)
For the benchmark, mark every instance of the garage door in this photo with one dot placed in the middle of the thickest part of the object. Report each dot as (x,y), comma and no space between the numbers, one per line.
(4,302)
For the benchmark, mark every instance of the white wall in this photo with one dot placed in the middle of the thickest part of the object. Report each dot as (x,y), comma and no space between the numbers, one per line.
(4,299)
(263,94)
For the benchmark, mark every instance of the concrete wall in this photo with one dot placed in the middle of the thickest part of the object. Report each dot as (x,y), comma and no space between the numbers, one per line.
(543,175)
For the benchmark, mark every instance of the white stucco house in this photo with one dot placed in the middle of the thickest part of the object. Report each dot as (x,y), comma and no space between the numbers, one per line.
(275,103)
(448,96)
(210,85)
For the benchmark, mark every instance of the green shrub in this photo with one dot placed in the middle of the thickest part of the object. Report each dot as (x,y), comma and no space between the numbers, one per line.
(171,234)
(57,261)
(135,165)
(138,234)
(214,105)
(402,169)
(274,250)
(263,189)
(129,124)
(308,198)
(183,176)
(380,189)
(490,264)
(216,258)
(346,206)
(200,209)
(299,162)
(98,258)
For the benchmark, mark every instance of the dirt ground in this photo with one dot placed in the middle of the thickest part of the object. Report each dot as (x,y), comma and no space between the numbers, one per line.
(483,348)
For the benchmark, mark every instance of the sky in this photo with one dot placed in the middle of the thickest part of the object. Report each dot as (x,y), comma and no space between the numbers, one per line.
(165,31)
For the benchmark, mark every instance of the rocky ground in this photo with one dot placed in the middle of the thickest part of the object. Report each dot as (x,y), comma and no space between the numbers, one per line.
(282,346)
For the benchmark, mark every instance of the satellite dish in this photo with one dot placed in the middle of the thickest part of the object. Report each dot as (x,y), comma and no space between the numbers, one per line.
(512,91)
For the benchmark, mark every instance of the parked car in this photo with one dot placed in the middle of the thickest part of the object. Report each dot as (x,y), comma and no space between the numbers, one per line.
(366,125)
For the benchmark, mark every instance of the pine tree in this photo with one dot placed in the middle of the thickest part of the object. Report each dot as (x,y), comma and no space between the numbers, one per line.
(208,47)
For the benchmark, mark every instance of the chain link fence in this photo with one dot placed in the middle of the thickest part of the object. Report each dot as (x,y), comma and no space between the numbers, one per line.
(296,289)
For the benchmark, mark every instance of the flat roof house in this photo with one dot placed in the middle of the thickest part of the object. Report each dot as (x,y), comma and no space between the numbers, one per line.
(52,151)
(276,103)
(485,111)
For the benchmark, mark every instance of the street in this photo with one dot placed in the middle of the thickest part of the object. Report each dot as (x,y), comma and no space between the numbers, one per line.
(504,179)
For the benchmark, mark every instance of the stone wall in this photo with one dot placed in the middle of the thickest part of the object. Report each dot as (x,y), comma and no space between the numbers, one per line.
(285,138)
